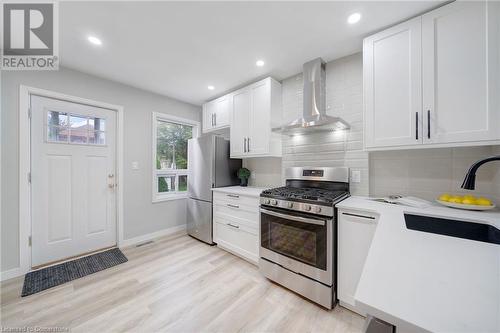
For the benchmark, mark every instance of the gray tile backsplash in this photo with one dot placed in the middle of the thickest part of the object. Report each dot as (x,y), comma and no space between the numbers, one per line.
(266,172)
(419,172)
(426,173)
(344,98)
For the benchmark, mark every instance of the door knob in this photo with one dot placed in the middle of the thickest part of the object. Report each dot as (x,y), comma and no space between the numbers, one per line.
(111,175)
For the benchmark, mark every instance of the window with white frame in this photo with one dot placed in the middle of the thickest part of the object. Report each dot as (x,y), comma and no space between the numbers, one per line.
(170,155)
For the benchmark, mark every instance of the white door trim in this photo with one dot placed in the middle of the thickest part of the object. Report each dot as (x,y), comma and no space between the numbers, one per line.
(25,162)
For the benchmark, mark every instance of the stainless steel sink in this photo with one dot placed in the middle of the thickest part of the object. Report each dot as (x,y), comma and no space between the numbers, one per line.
(476,231)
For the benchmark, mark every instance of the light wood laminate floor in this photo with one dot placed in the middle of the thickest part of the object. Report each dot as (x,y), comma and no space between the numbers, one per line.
(175,284)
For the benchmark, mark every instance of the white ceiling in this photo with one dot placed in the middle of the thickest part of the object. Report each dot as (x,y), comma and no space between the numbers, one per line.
(178,49)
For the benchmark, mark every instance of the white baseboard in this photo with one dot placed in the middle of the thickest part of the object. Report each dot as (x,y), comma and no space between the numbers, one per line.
(153,235)
(11,273)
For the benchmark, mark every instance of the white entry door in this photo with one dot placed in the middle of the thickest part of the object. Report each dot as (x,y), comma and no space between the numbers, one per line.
(73,180)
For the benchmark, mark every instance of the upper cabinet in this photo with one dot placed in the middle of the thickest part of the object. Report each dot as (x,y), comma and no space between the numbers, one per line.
(392,86)
(216,113)
(460,62)
(434,80)
(255,110)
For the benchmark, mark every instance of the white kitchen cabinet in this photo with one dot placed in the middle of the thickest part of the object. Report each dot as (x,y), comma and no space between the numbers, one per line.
(460,62)
(207,116)
(392,86)
(434,80)
(216,114)
(256,109)
(240,130)
(236,224)
(355,234)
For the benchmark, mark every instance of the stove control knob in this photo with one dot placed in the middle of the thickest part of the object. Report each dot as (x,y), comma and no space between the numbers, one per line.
(307,207)
(289,205)
(267,201)
(317,209)
(274,202)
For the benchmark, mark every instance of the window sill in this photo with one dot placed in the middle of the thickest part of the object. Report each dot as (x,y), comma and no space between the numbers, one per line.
(170,197)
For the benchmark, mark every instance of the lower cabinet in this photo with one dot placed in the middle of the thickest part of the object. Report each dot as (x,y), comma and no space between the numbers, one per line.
(355,234)
(236,225)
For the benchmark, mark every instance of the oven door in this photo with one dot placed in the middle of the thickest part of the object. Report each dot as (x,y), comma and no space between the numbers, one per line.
(299,242)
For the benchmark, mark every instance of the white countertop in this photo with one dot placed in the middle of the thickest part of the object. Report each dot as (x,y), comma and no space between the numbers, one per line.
(241,190)
(431,282)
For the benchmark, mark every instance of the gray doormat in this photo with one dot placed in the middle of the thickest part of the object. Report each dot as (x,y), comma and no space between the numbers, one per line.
(52,276)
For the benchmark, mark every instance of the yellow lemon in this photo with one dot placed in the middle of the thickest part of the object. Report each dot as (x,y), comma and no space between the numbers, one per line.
(470,197)
(444,197)
(469,201)
(483,202)
(455,199)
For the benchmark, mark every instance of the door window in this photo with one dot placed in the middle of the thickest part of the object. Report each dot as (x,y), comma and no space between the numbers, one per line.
(68,128)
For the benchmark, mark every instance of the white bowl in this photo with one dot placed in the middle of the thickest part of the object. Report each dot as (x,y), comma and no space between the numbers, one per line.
(464,206)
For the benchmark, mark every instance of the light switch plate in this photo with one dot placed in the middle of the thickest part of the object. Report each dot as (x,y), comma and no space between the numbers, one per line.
(135,165)
(355,176)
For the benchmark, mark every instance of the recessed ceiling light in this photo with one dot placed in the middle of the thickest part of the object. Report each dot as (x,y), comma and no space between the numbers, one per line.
(211,87)
(259,63)
(94,40)
(354,18)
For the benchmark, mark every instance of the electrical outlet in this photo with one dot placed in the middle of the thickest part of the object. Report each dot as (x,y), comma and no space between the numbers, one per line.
(252,175)
(135,165)
(355,176)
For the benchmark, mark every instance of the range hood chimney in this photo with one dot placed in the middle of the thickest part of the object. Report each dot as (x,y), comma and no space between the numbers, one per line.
(314,117)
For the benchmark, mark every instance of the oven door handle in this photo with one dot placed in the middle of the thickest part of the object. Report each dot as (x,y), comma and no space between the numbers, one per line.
(293,218)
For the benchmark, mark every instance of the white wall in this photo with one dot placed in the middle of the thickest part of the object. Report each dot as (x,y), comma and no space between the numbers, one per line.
(141,216)
(427,173)
(344,98)
(266,172)
(496,178)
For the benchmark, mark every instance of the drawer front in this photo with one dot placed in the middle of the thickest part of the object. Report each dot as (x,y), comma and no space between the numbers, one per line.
(237,240)
(243,214)
(251,227)
(225,198)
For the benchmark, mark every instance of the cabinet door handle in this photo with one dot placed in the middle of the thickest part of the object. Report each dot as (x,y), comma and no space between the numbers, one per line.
(428,124)
(244,145)
(233,206)
(234,226)
(248,144)
(233,195)
(416,125)
(215,119)
(361,216)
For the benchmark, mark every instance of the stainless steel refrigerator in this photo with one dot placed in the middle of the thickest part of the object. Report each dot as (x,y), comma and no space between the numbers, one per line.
(209,166)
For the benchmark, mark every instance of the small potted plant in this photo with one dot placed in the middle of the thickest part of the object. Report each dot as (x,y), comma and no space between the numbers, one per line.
(243,175)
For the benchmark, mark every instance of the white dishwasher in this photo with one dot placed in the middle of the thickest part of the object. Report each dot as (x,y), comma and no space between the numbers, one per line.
(355,233)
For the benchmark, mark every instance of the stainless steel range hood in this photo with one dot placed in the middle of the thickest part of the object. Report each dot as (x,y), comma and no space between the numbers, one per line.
(314,117)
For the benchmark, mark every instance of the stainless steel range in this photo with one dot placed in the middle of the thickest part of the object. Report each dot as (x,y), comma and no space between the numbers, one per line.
(298,231)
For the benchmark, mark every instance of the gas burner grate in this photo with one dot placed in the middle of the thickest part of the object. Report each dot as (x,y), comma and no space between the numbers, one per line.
(306,194)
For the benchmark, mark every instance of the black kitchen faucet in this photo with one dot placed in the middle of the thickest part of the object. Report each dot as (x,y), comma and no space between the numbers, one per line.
(470,178)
